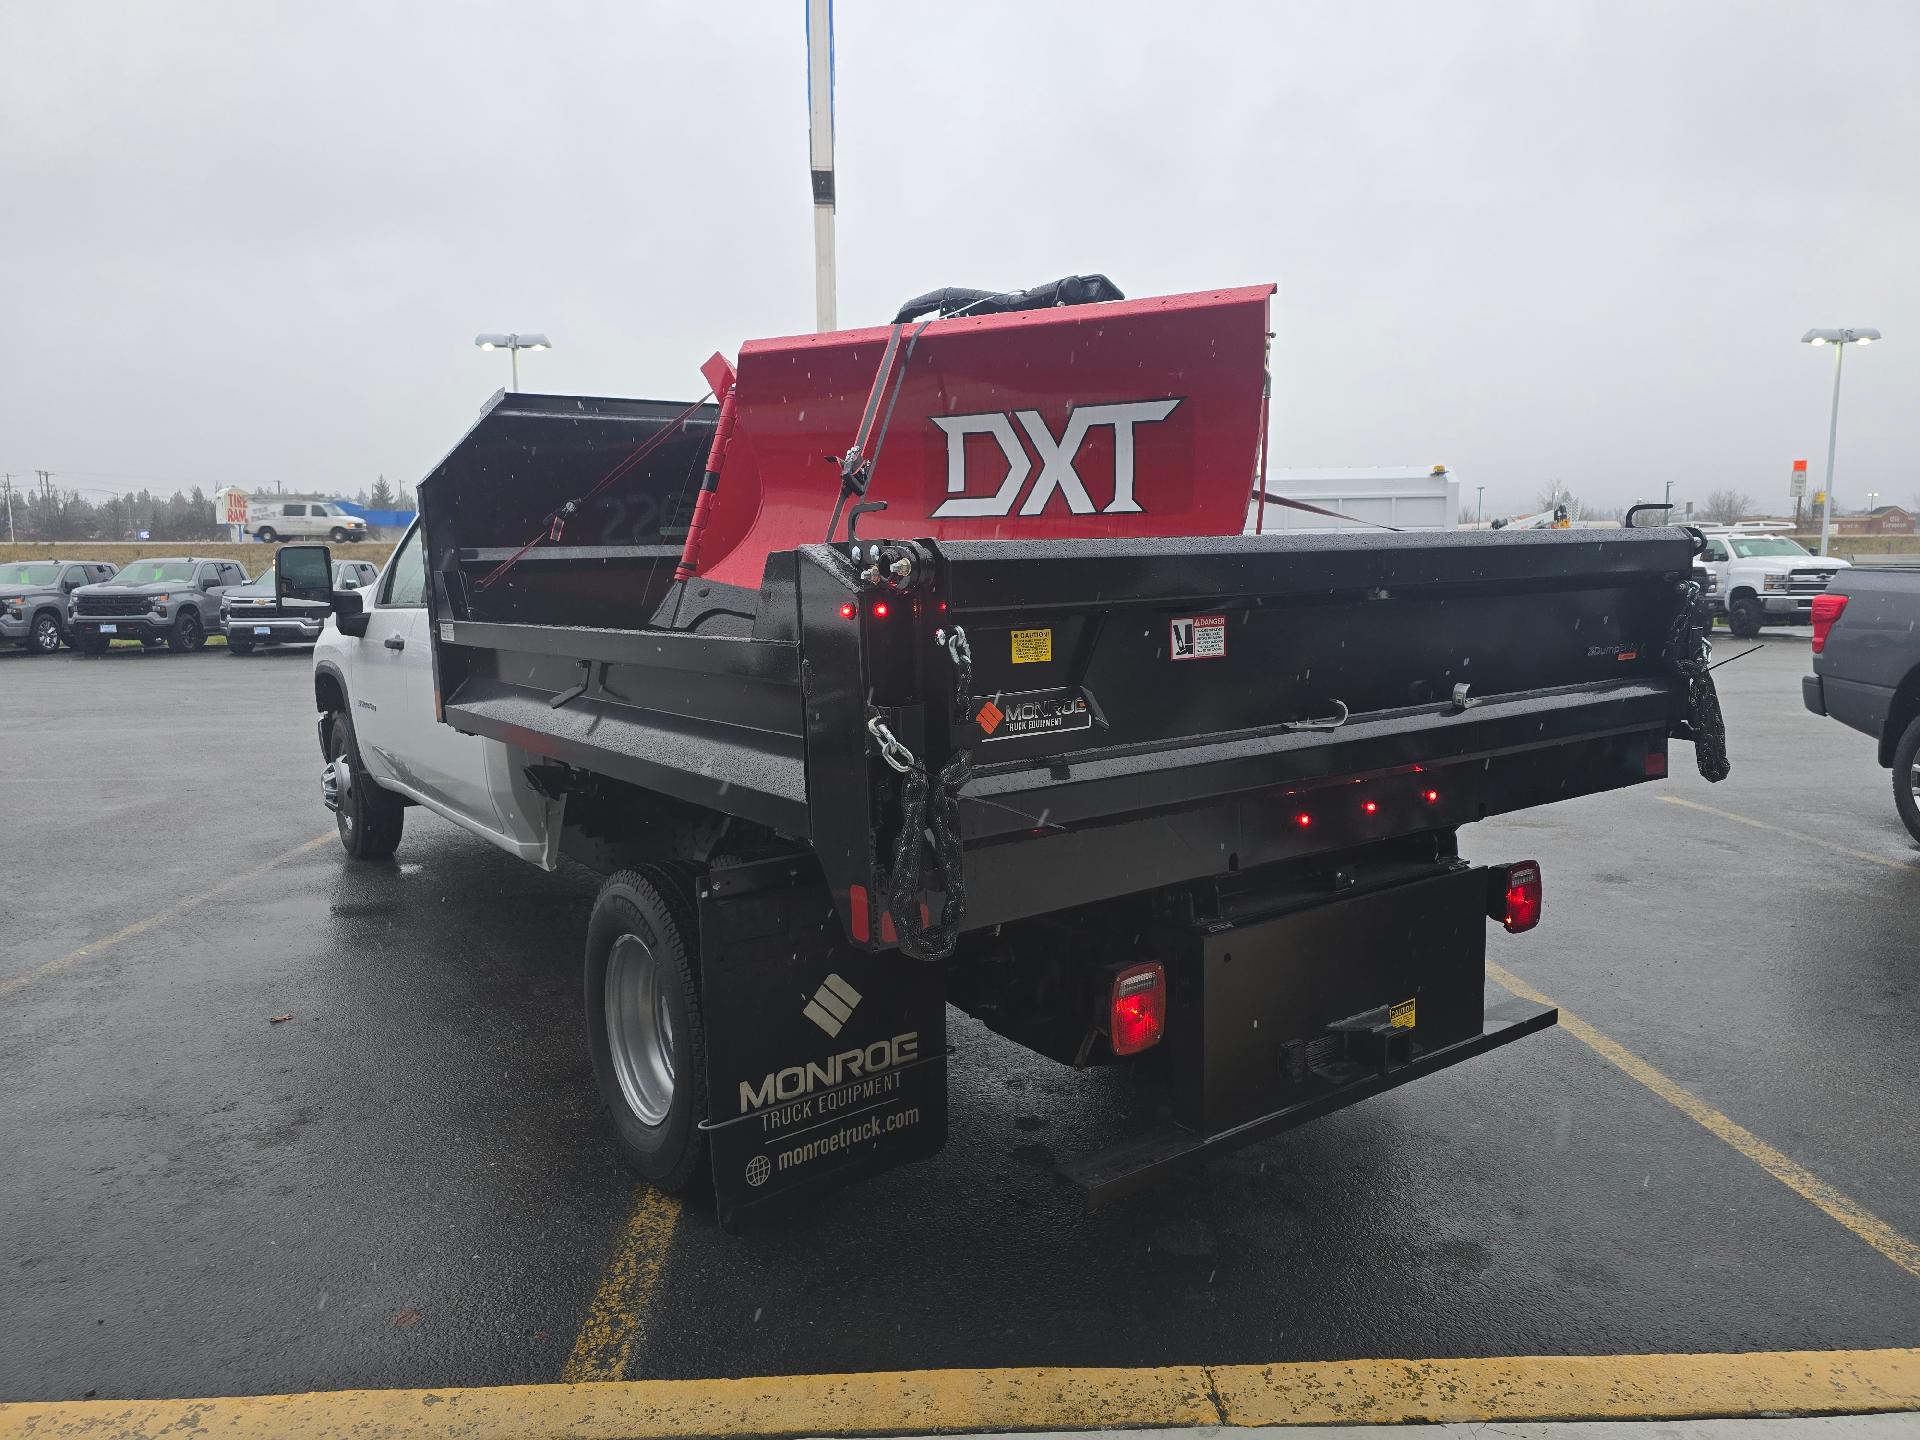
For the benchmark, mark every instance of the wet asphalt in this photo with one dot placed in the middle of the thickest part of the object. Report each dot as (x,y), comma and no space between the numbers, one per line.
(410,1182)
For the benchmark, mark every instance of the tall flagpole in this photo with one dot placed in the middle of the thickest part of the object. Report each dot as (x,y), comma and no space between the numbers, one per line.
(820,155)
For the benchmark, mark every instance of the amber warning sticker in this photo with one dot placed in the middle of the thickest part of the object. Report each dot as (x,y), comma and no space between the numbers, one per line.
(1030,647)
(1401,1016)
(1199,637)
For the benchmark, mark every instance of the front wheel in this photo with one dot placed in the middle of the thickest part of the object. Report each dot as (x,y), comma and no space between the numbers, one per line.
(338,535)
(644,1025)
(91,644)
(186,634)
(1745,617)
(44,638)
(1906,777)
(239,644)
(368,818)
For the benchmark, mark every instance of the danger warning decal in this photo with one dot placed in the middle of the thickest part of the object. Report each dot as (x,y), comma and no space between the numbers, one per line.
(1198,637)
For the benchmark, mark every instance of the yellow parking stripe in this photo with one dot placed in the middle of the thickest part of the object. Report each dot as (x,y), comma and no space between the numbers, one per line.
(1340,1392)
(179,907)
(1800,835)
(616,1318)
(1797,1178)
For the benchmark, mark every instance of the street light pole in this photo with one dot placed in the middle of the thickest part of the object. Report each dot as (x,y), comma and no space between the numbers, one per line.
(1833,434)
(1839,339)
(1480,506)
(513,345)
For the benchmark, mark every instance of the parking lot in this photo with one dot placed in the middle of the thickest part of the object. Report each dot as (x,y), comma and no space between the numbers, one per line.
(277,1123)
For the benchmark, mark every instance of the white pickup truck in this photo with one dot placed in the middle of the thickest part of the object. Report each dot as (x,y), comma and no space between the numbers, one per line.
(385,746)
(1764,578)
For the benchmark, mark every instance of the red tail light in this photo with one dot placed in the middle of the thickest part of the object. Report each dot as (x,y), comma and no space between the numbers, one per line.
(1826,610)
(1137,1010)
(1513,895)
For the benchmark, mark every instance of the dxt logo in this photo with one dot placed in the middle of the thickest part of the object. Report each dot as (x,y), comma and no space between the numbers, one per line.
(1057,474)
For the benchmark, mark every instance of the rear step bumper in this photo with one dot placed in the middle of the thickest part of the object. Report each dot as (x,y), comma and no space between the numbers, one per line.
(1107,1174)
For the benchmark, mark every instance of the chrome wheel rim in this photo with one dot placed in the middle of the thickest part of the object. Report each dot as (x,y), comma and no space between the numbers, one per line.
(1913,779)
(640,1029)
(46,634)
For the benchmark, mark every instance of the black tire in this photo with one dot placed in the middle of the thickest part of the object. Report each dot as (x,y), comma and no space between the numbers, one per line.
(153,642)
(187,634)
(264,535)
(91,644)
(44,637)
(1745,617)
(1906,777)
(649,907)
(338,535)
(239,644)
(369,819)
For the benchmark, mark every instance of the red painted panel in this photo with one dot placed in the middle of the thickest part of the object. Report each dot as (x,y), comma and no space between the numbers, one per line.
(1134,418)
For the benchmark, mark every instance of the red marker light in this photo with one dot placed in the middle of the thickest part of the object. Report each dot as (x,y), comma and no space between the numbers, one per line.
(1372,807)
(1523,897)
(879,609)
(1303,820)
(846,609)
(1432,797)
(1137,1009)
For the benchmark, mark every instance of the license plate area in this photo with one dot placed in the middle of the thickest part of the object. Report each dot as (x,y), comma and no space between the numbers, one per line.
(263,630)
(1261,1010)
(109,629)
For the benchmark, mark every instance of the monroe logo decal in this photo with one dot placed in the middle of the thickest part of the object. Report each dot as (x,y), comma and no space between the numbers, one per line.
(1057,477)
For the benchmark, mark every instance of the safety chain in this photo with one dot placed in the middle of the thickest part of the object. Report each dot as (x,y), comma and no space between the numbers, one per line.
(930,822)
(891,750)
(1688,651)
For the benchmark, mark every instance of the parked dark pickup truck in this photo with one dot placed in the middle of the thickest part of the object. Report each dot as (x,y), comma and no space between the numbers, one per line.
(1866,669)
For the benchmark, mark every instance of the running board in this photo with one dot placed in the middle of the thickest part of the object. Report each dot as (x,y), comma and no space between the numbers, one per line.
(1104,1175)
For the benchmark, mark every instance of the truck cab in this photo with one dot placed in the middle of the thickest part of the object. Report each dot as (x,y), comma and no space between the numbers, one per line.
(1763,577)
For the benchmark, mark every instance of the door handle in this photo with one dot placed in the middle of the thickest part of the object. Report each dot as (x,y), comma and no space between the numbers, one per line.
(394,642)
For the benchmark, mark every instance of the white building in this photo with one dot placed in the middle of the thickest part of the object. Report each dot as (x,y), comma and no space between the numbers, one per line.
(1416,497)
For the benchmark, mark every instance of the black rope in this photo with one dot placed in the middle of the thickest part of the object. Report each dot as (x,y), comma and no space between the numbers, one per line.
(930,809)
(1688,653)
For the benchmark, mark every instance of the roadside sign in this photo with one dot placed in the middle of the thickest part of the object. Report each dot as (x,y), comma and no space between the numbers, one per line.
(1799,486)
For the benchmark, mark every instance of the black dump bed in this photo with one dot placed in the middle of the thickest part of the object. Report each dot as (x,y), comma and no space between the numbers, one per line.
(1132,713)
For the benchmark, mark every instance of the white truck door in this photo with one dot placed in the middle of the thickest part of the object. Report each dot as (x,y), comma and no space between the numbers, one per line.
(393,674)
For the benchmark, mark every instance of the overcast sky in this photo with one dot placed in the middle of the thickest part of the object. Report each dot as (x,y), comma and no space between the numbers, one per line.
(251,242)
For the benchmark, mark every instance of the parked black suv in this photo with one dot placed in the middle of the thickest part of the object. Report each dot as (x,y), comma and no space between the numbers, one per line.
(173,602)
(33,599)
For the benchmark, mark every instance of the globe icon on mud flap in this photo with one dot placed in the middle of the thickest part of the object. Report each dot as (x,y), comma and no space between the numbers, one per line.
(757,1171)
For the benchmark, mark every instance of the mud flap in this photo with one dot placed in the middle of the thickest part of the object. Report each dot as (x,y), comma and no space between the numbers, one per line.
(824,1064)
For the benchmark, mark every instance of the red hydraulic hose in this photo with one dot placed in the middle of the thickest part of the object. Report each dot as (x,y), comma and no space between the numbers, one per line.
(689,565)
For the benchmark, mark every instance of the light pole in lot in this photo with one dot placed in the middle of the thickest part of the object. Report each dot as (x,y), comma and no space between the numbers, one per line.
(513,345)
(1480,505)
(1839,340)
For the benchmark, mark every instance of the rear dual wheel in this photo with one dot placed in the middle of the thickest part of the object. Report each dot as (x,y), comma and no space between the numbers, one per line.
(644,1025)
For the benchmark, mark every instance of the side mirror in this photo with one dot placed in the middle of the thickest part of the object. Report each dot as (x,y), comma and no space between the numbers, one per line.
(350,613)
(303,572)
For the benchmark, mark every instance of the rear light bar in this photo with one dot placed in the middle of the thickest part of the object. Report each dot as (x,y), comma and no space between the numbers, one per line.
(1513,895)
(1826,610)
(1137,1009)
